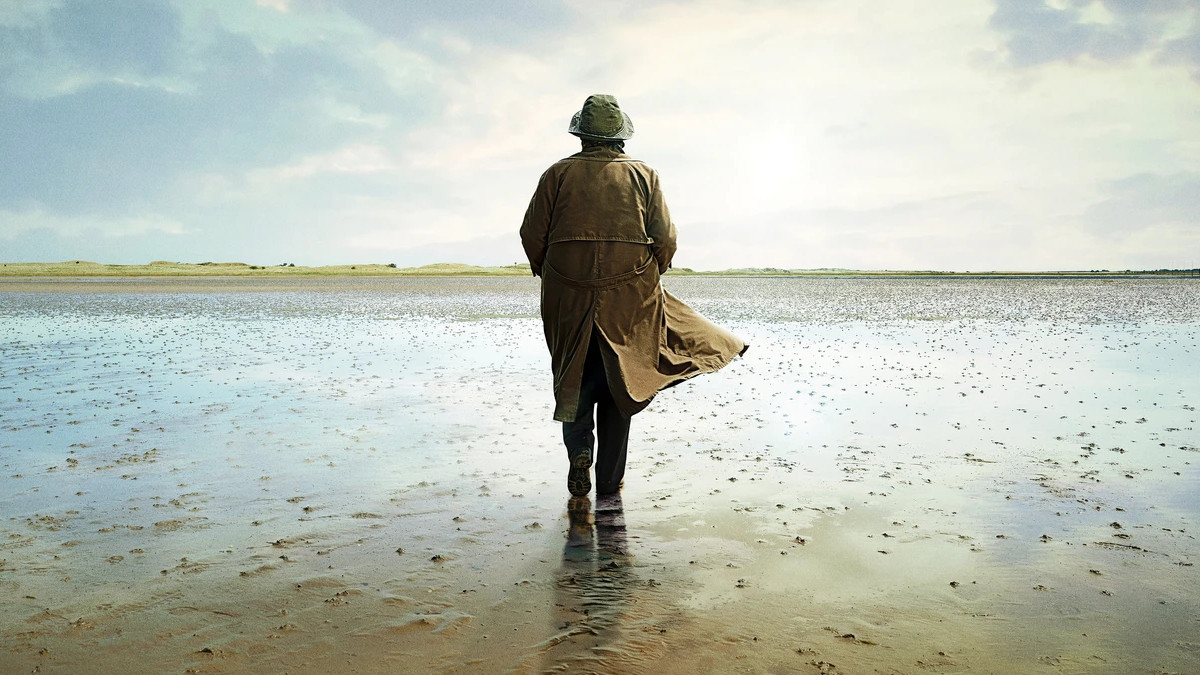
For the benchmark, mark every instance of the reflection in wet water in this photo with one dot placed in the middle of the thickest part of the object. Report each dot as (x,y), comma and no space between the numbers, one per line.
(595,592)
(606,531)
(581,531)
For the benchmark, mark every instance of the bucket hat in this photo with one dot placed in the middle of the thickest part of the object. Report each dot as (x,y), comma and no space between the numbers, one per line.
(601,119)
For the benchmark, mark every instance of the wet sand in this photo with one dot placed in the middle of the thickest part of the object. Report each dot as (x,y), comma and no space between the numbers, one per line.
(356,475)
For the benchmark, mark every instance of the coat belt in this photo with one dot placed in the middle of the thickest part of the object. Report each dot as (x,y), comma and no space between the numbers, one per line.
(604,283)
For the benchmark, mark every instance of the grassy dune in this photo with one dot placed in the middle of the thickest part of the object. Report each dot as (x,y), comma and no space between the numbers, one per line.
(83,268)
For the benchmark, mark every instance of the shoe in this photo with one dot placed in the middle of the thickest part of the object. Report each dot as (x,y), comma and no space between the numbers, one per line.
(579,477)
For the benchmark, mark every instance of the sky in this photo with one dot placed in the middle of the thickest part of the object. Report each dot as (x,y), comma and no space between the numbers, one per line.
(962,135)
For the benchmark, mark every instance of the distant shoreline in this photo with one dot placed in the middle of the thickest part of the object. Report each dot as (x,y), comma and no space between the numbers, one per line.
(81,268)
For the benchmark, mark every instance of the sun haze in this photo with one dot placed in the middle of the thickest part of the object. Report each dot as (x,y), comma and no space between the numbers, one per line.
(980,135)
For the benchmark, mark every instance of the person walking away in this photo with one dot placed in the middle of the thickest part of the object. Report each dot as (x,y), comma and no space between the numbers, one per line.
(598,233)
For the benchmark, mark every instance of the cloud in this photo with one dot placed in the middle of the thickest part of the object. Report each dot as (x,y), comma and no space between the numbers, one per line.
(46,245)
(66,47)
(971,230)
(277,5)
(503,22)
(1142,201)
(112,143)
(15,223)
(1038,32)
(356,159)
(1186,51)
(416,229)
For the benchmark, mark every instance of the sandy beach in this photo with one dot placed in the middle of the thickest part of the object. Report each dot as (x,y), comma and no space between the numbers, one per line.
(358,475)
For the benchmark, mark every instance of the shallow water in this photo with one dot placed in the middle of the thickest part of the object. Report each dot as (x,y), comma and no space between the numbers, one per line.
(219,474)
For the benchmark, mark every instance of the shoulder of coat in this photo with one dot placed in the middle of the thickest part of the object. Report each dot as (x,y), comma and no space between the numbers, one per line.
(638,165)
(634,160)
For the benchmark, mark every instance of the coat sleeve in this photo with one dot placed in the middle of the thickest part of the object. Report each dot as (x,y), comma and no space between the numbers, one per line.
(535,229)
(659,226)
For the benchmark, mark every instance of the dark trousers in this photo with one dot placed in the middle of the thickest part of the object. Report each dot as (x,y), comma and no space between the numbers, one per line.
(597,411)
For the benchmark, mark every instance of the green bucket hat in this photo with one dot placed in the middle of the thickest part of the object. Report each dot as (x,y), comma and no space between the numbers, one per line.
(601,119)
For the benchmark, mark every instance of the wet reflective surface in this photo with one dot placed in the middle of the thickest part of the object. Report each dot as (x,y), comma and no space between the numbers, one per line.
(904,475)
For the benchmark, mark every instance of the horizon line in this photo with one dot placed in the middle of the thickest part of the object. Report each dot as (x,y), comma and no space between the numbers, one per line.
(209,268)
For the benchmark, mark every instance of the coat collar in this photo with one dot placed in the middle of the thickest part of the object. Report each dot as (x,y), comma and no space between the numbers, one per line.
(599,152)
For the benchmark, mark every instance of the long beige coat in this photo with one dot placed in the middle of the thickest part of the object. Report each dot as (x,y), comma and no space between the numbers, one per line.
(599,234)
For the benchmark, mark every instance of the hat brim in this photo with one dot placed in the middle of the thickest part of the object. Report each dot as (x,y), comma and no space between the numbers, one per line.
(625,132)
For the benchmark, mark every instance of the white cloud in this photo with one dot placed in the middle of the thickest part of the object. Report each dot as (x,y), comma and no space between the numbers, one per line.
(355,159)
(383,228)
(400,66)
(15,223)
(343,111)
(277,5)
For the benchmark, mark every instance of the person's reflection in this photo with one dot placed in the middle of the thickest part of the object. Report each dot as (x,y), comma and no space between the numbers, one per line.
(580,533)
(594,582)
(610,526)
(607,530)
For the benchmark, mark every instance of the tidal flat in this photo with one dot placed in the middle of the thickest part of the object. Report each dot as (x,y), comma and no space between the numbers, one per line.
(329,474)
